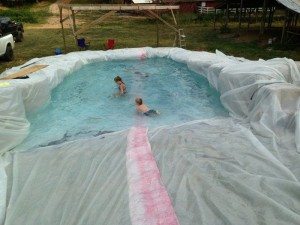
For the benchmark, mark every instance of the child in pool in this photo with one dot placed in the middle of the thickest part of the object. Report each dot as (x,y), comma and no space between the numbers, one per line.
(121,84)
(142,108)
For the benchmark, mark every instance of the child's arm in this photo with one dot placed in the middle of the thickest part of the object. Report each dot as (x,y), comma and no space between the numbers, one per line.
(122,89)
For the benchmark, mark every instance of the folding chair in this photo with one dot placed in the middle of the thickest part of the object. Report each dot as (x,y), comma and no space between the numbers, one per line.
(82,45)
(110,44)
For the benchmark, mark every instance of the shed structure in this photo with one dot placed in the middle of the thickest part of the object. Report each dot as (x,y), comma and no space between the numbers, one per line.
(150,10)
(245,8)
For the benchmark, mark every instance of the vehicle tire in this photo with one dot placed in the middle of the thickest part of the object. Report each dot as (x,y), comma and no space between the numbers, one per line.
(19,36)
(9,53)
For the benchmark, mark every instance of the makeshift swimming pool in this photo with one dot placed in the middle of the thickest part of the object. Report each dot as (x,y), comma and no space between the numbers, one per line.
(209,168)
(84,104)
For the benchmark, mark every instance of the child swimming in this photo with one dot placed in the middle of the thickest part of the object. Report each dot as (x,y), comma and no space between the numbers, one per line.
(142,108)
(121,84)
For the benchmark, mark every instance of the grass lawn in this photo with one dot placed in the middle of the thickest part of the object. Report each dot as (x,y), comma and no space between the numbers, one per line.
(137,32)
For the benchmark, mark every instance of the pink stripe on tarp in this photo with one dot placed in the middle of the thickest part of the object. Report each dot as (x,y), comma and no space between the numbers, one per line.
(149,201)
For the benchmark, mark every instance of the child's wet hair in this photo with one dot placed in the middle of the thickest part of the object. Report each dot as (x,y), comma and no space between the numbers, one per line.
(117,78)
(138,101)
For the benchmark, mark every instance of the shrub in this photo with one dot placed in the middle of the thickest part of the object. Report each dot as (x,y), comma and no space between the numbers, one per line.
(20,15)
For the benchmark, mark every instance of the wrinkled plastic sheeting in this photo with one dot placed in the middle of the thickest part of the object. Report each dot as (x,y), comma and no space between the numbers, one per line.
(81,182)
(262,94)
(215,172)
(237,79)
(3,189)
(291,4)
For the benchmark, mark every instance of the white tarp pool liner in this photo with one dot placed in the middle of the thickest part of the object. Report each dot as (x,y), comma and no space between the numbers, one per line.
(221,171)
(291,4)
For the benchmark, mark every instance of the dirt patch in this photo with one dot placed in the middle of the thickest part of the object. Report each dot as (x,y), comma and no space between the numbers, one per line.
(3,7)
(53,20)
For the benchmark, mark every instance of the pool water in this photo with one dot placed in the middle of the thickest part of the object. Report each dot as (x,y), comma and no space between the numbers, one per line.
(84,104)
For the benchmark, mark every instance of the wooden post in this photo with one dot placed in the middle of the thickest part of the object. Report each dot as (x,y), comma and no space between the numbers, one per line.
(215,18)
(73,24)
(256,15)
(284,27)
(227,14)
(263,19)
(74,20)
(157,32)
(174,28)
(249,18)
(240,17)
(174,18)
(270,17)
(62,28)
(175,22)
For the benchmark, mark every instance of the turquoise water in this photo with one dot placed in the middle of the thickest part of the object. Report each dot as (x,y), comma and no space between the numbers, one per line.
(84,104)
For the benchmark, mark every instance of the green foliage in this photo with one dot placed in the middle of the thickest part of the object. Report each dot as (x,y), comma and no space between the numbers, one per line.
(187,18)
(20,15)
(225,29)
(28,13)
(138,32)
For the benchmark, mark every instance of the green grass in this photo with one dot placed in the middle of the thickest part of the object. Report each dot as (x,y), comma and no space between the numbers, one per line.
(132,32)
(28,13)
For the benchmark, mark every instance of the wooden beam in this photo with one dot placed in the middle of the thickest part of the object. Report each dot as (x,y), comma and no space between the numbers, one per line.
(174,18)
(215,18)
(62,28)
(99,20)
(63,19)
(227,14)
(74,20)
(115,7)
(72,24)
(284,26)
(157,33)
(249,18)
(162,20)
(263,19)
(175,40)
(240,17)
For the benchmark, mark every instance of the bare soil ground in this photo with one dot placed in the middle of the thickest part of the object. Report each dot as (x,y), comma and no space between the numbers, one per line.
(53,20)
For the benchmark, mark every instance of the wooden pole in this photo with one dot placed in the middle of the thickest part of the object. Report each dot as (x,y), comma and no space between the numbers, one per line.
(270,17)
(256,15)
(72,24)
(157,31)
(227,14)
(215,18)
(62,29)
(284,27)
(162,20)
(240,17)
(176,25)
(249,18)
(74,20)
(174,18)
(263,19)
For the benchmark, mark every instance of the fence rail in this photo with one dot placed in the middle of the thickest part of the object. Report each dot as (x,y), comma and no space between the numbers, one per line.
(207,10)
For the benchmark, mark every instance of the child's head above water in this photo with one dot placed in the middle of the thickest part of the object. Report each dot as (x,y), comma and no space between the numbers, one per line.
(138,101)
(118,79)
